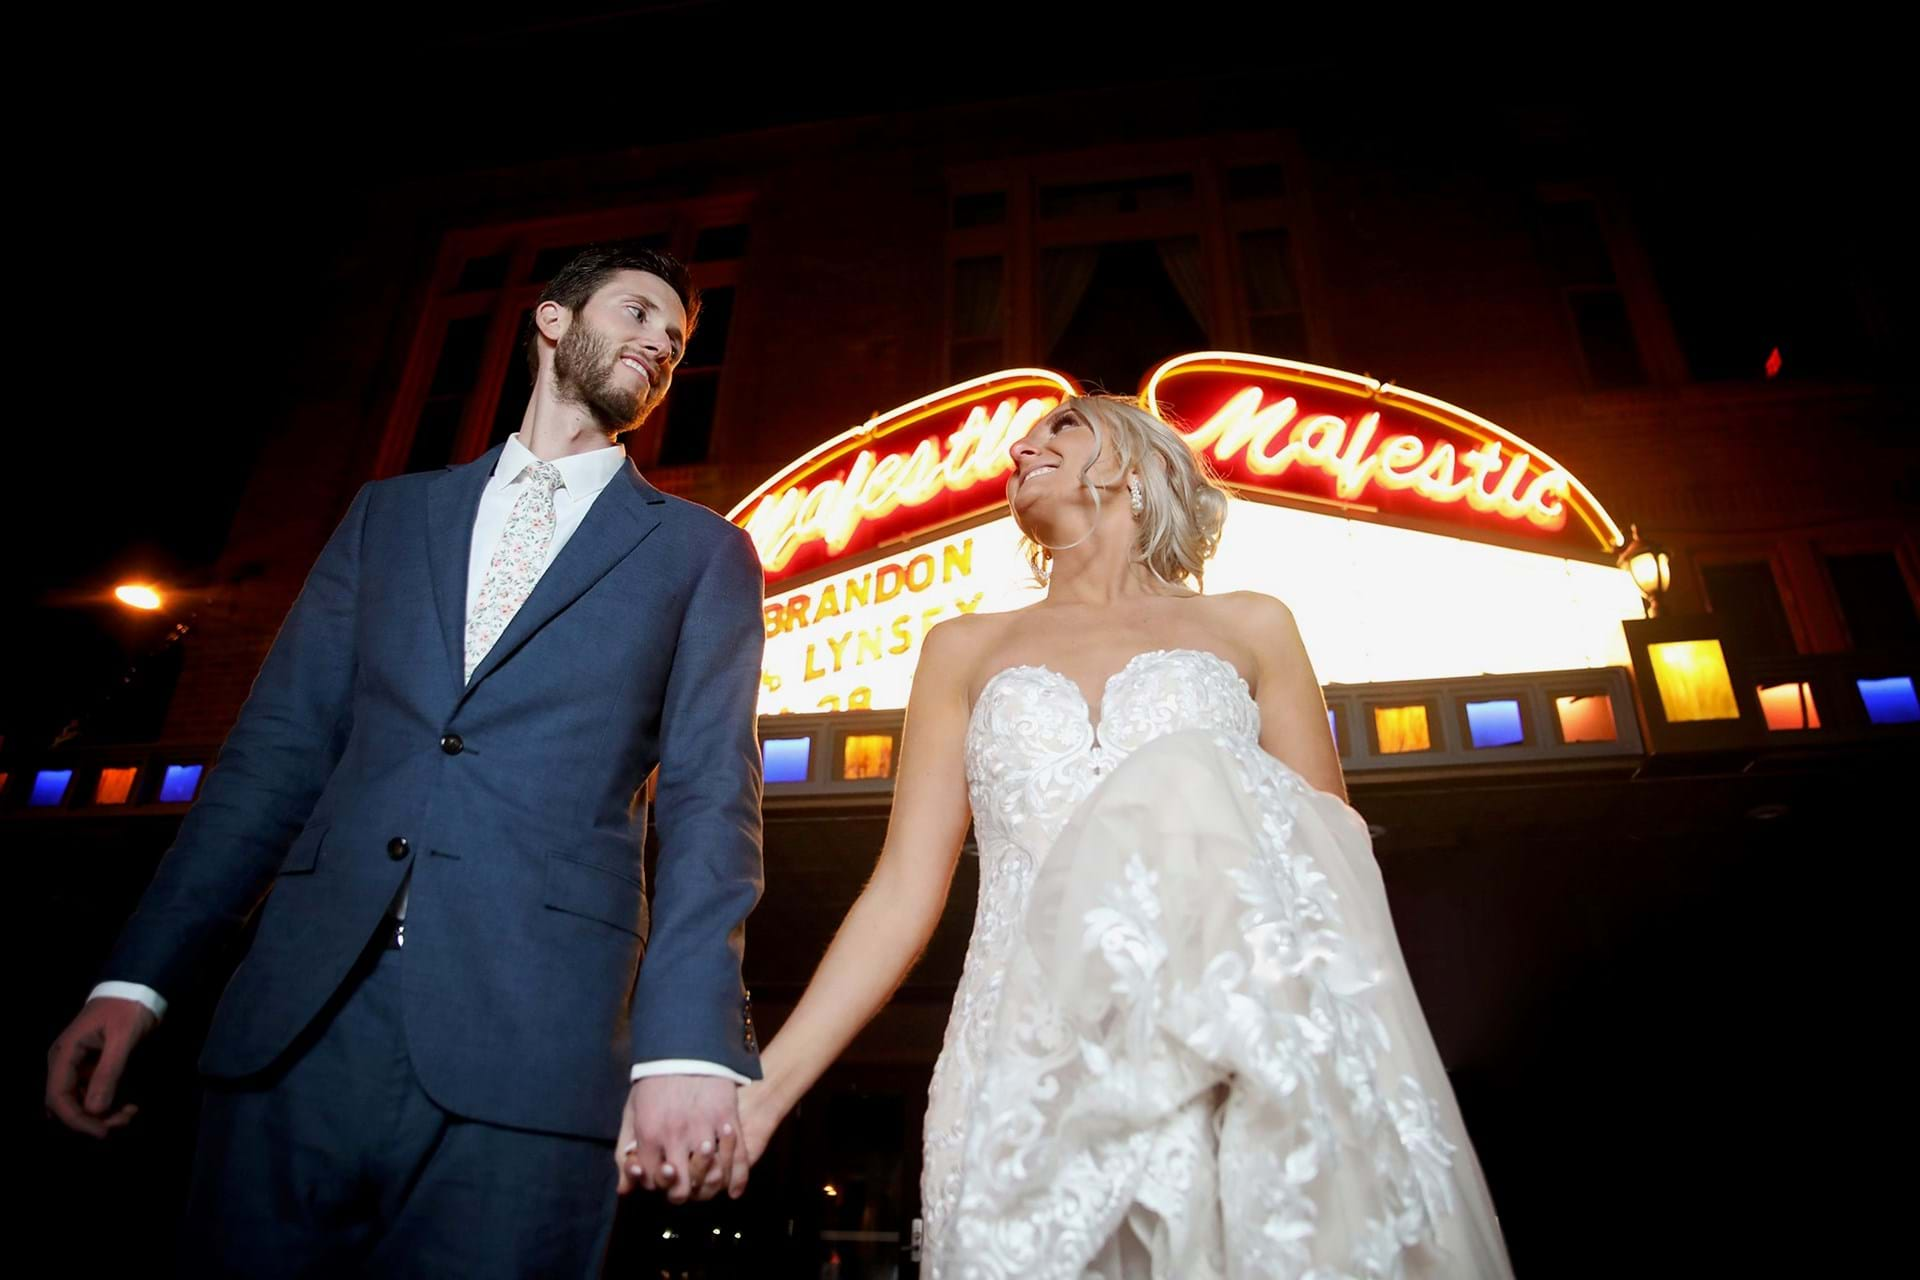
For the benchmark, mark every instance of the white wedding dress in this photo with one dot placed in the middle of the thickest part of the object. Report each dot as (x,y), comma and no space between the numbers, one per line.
(1184,1044)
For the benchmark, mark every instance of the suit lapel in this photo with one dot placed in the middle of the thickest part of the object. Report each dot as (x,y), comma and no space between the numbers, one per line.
(453,501)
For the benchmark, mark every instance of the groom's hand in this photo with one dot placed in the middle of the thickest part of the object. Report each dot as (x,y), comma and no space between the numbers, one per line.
(85,1063)
(677,1135)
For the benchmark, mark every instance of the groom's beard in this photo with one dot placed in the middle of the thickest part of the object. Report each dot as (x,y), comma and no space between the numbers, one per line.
(583,373)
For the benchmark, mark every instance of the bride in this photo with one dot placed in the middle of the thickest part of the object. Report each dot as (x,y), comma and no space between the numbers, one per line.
(1184,1043)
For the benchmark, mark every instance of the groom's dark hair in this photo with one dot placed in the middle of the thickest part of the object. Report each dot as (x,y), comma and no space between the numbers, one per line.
(587,270)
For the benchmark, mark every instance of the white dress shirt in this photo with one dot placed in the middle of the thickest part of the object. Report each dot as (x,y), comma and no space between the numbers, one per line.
(582,477)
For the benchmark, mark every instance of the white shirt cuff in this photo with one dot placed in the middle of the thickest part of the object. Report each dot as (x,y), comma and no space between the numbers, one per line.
(684,1067)
(151,1000)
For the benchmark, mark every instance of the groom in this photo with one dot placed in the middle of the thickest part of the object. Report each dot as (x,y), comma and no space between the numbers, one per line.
(437,787)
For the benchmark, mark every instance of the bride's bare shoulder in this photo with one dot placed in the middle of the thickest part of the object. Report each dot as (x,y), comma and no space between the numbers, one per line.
(1254,609)
(965,650)
(955,648)
(1265,627)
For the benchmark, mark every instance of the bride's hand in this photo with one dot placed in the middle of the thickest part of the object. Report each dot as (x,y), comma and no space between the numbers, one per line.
(760,1115)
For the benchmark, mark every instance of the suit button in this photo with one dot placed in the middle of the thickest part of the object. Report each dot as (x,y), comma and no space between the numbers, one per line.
(452,745)
(397,848)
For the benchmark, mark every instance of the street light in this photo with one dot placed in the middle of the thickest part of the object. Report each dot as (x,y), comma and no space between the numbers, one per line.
(1648,564)
(138,595)
(188,600)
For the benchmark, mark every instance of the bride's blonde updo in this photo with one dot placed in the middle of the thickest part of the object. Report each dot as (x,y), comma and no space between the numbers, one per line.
(1183,505)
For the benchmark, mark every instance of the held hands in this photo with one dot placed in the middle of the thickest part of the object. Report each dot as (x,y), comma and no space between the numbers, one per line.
(86,1061)
(680,1135)
(693,1136)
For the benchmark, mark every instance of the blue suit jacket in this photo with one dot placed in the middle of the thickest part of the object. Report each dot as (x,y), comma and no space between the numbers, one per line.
(512,799)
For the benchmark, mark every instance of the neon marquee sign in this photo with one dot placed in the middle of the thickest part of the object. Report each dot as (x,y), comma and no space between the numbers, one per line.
(1276,430)
(931,463)
(1300,433)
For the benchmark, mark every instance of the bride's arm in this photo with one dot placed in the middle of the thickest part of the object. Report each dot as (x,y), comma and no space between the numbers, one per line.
(1293,711)
(892,920)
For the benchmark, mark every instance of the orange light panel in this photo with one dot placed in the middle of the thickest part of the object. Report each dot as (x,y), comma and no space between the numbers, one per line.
(1586,717)
(115,785)
(1789,706)
(868,755)
(1402,729)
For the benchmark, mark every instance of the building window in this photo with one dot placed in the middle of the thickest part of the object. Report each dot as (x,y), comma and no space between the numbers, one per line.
(1103,264)
(976,320)
(466,384)
(686,417)
(1581,265)
(1256,181)
(1275,319)
(721,244)
(1745,598)
(456,377)
(1125,196)
(1110,312)
(1875,601)
(979,209)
